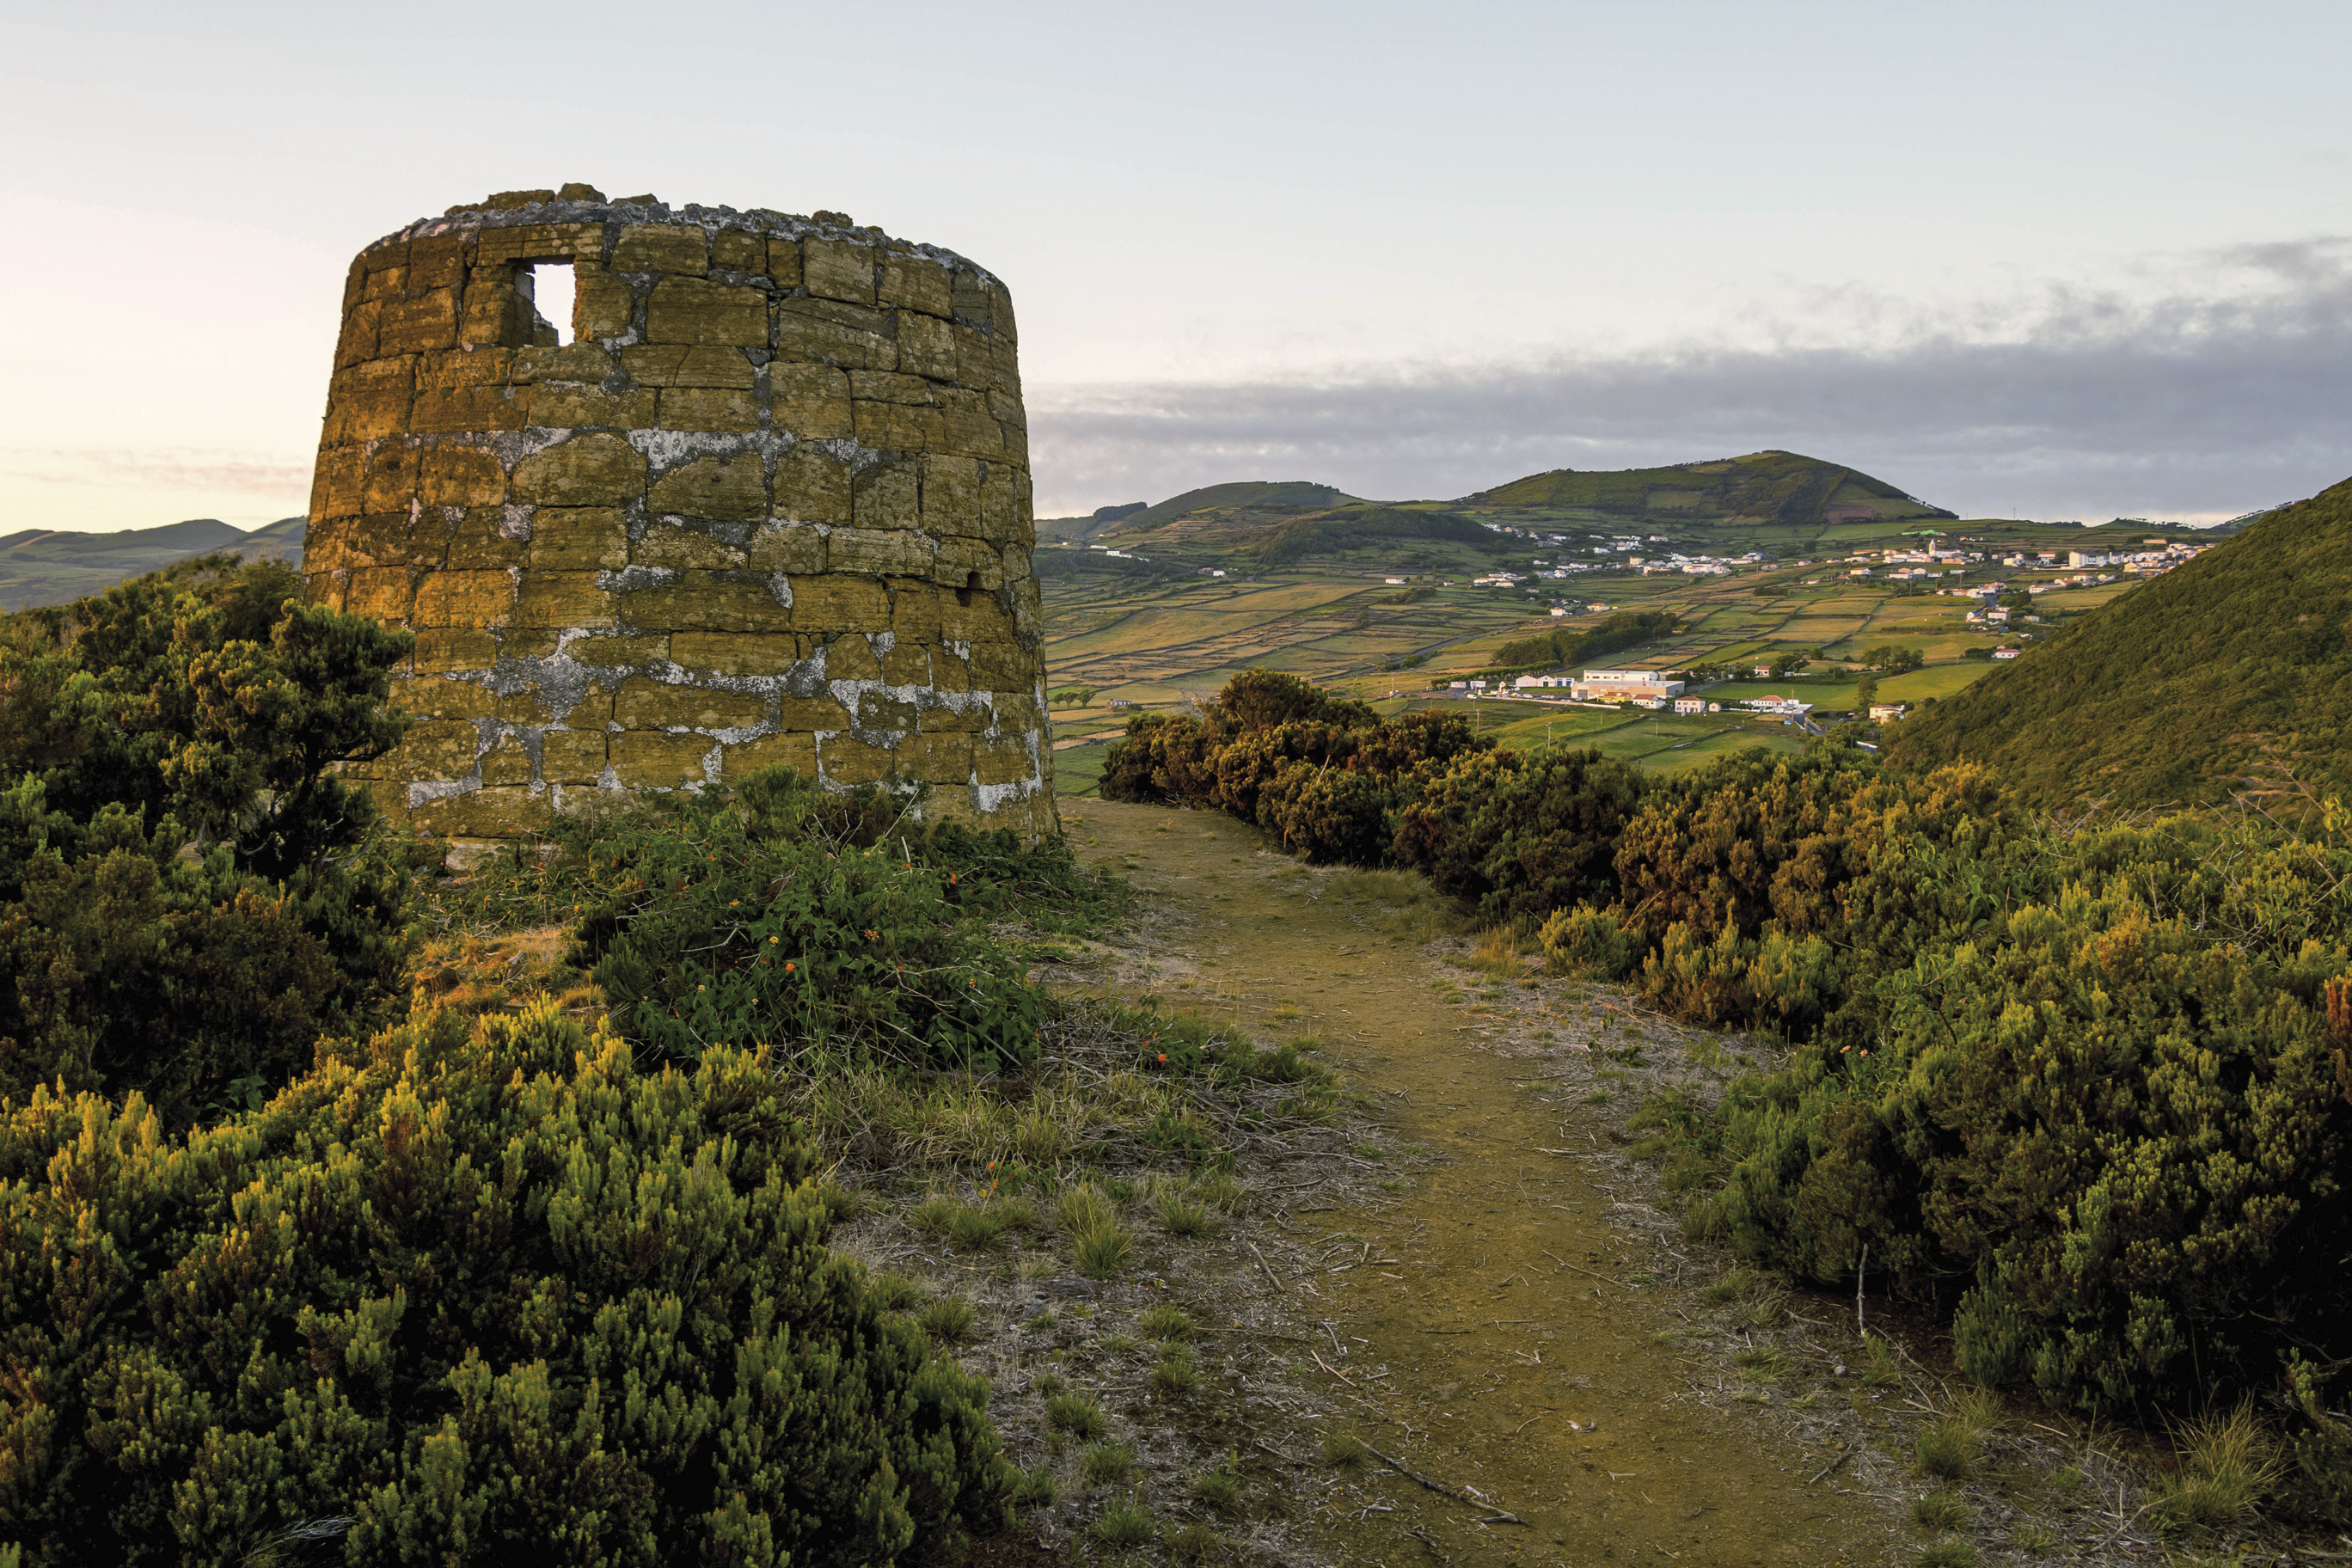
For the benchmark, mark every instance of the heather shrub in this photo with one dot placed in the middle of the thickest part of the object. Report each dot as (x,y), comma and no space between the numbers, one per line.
(472,1288)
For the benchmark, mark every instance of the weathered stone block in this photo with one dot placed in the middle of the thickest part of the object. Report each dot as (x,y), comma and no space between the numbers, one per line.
(887,495)
(706,602)
(735,653)
(572,408)
(850,657)
(845,759)
(938,758)
(634,651)
(379,539)
(947,718)
(578,539)
(444,649)
(585,470)
(885,552)
(645,703)
(916,284)
(451,410)
(539,242)
(973,304)
(495,312)
(849,336)
(464,598)
(411,324)
(793,547)
(516,812)
(695,310)
(975,618)
(812,401)
(563,601)
(389,481)
(571,757)
(927,347)
(454,475)
(915,612)
(441,748)
(784,262)
(477,541)
(893,428)
(671,545)
(680,365)
(370,401)
(839,605)
(734,251)
(357,343)
(969,563)
(436,697)
(676,249)
(580,361)
(809,713)
(878,710)
(725,489)
(335,488)
(1004,505)
(506,763)
(652,759)
(386,593)
(892,387)
(838,269)
(576,708)
(603,306)
(745,758)
(970,435)
(1005,759)
(708,408)
(907,664)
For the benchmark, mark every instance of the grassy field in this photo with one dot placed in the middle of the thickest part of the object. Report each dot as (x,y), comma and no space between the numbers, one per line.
(1162,635)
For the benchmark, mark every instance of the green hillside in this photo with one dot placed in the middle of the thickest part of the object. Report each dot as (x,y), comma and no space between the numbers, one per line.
(2231,674)
(1285,495)
(53,566)
(1760,488)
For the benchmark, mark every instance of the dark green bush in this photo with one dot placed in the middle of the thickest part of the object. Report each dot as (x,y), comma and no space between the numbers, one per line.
(719,919)
(473,1291)
(188,895)
(1520,837)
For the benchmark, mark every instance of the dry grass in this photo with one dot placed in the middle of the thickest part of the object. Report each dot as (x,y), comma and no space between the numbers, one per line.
(2228,1462)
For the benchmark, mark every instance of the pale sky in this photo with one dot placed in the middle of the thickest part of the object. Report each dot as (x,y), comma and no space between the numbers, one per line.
(2059,259)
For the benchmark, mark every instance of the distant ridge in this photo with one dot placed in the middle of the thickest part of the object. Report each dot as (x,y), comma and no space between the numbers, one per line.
(2224,676)
(1770,487)
(55,567)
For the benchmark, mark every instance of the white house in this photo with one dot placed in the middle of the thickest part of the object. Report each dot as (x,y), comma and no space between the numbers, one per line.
(2007,652)
(1690,704)
(1624,686)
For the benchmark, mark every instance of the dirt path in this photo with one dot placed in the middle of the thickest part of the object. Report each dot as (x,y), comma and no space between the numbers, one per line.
(1501,1326)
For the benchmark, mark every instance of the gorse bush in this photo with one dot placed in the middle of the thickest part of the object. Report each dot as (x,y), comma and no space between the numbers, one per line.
(476,1289)
(187,896)
(720,919)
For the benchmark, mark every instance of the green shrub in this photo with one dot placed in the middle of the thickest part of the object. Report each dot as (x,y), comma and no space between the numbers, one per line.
(1179,1216)
(1102,1251)
(411,1290)
(1035,1489)
(1950,1553)
(1174,1372)
(1941,1511)
(1588,940)
(1195,1543)
(729,919)
(1346,1451)
(1946,1449)
(949,1320)
(1168,1322)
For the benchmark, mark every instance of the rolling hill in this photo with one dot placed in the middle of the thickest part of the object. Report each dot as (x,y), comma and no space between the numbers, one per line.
(52,566)
(2231,675)
(1761,488)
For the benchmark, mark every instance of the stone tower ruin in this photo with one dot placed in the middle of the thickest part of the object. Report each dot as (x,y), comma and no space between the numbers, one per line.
(768,504)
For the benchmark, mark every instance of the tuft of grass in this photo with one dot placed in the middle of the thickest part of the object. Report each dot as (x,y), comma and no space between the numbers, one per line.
(1174,1372)
(1035,1489)
(1220,1488)
(1979,1410)
(1499,955)
(949,1319)
(1345,1452)
(2069,1479)
(1880,1371)
(2032,1539)
(1106,1463)
(1765,1364)
(1074,1413)
(1084,1208)
(1179,1216)
(1102,1252)
(1127,1525)
(1195,1543)
(1168,1322)
(1943,1510)
(1946,1451)
(1220,1193)
(1736,1286)
(2227,1464)
(1951,1553)
(895,1292)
